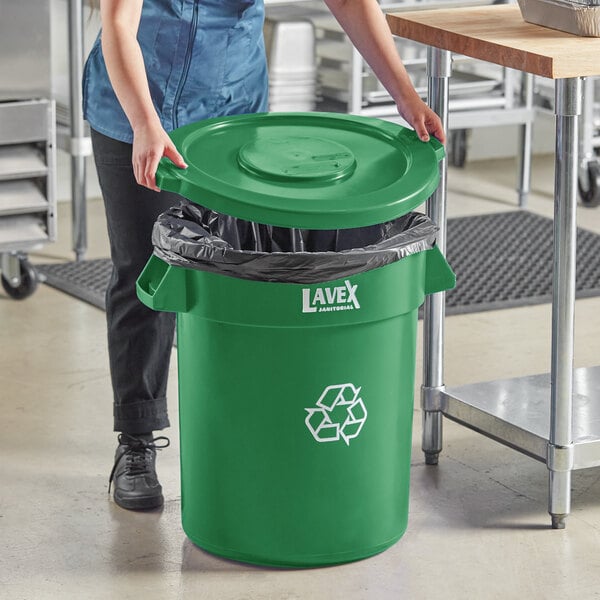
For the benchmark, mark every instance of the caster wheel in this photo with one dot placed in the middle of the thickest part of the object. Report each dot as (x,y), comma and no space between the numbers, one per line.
(590,193)
(457,155)
(28,284)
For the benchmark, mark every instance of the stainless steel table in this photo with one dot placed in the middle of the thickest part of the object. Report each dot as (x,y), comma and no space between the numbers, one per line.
(554,418)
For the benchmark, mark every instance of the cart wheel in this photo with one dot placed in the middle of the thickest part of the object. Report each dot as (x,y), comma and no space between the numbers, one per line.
(458,148)
(28,285)
(590,196)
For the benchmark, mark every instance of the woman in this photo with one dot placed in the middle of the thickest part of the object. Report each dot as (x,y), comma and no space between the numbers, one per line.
(159,65)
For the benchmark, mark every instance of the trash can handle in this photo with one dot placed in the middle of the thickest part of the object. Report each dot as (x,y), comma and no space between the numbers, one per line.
(161,286)
(167,176)
(439,276)
(438,148)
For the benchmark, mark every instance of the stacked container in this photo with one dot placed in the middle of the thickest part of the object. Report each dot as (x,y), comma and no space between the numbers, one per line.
(290,45)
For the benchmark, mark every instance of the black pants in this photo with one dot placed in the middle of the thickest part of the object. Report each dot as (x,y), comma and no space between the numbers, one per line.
(139,339)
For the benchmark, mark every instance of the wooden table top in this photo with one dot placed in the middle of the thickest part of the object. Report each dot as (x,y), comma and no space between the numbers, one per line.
(498,34)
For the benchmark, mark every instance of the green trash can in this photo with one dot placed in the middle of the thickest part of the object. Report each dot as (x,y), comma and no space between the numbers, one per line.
(296,396)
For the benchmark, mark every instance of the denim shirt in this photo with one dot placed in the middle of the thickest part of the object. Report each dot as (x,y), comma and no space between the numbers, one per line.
(203,58)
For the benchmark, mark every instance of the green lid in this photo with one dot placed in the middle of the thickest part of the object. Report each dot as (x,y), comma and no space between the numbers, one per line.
(306,170)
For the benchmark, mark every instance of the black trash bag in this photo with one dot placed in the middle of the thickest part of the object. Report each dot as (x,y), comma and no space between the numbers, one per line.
(191,236)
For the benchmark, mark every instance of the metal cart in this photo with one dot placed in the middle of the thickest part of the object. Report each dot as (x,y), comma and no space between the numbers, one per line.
(27,144)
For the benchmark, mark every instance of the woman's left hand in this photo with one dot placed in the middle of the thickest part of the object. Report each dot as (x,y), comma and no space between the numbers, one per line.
(421,118)
(150,143)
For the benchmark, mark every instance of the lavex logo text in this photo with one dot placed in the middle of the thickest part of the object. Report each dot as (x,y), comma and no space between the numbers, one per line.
(329,299)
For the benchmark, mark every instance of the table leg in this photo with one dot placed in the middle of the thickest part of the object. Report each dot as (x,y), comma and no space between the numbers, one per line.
(438,70)
(560,446)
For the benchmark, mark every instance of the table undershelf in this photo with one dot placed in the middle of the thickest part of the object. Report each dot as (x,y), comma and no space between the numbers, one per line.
(516,413)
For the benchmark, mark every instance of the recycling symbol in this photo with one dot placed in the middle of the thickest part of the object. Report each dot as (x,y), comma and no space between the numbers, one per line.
(339,414)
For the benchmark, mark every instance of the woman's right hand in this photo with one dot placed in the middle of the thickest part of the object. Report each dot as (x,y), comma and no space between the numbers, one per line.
(150,144)
(125,65)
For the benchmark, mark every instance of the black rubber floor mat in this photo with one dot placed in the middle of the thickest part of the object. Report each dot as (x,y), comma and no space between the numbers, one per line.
(501,261)
(85,279)
(505,260)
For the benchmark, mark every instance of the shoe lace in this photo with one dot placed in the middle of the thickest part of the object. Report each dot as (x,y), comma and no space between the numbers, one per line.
(136,454)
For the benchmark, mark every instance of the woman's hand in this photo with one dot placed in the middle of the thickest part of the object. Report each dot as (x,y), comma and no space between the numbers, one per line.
(422,119)
(365,24)
(125,65)
(150,144)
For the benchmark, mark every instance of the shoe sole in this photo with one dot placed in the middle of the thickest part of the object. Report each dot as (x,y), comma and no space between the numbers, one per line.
(139,503)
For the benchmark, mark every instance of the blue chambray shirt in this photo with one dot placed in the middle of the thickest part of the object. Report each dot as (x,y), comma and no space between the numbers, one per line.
(203,58)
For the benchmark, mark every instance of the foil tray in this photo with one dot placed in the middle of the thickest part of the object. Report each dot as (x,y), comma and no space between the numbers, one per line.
(579,18)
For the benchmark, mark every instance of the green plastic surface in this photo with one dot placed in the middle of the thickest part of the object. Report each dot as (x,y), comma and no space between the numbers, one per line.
(296,408)
(306,170)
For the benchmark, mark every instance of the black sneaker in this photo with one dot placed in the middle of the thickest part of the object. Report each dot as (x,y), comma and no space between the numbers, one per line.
(134,472)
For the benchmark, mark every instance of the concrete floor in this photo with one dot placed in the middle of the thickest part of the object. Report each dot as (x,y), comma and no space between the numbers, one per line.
(478,526)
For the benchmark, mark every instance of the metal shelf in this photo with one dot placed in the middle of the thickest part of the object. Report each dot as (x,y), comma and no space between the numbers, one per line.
(23,121)
(21,197)
(336,83)
(516,413)
(22,233)
(21,161)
